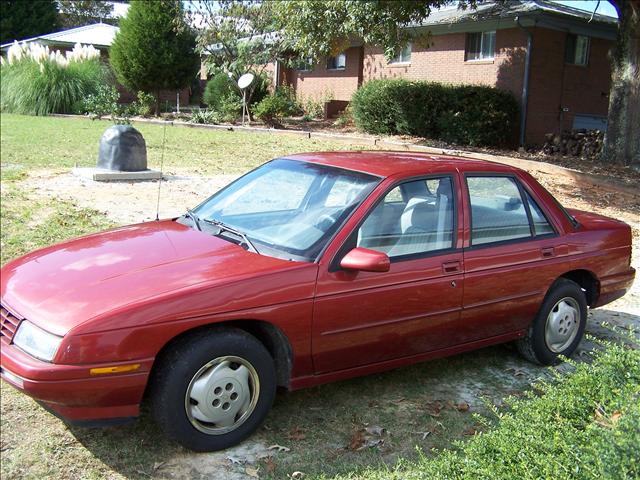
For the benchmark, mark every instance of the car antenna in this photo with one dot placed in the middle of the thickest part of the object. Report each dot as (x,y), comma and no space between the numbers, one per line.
(164,138)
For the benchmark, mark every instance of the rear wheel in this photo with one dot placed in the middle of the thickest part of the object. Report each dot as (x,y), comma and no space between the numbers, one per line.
(212,390)
(559,325)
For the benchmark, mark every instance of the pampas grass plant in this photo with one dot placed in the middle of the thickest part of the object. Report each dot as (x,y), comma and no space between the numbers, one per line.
(37,81)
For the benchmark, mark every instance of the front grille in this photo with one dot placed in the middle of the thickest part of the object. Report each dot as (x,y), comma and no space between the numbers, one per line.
(8,325)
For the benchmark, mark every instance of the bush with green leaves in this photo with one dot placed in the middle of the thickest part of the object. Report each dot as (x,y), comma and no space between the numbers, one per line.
(466,115)
(38,81)
(278,105)
(144,104)
(205,116)
(583,426)
(222,95)
(102,103)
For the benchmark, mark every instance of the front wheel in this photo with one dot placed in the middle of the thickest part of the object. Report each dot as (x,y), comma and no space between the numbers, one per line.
(212,390)
(559,325)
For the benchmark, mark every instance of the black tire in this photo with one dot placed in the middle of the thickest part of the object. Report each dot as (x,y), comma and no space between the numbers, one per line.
(533,346)
(185,358)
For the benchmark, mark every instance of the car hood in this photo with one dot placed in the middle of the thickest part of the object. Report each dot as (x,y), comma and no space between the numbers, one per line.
(62,286)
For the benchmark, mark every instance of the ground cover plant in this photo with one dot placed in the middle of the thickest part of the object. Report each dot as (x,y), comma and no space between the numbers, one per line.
(353,429)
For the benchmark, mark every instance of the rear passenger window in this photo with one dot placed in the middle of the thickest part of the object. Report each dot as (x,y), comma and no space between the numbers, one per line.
(497,211)
(540,223)
(415,217)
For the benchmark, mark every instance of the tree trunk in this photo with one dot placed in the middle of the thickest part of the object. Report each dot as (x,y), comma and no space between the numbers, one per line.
(622,142)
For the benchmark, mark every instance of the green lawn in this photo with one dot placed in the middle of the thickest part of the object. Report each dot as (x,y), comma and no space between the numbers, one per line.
(417,406)
(53,142)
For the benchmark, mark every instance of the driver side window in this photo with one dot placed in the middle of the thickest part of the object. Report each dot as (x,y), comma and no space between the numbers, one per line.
(415,217)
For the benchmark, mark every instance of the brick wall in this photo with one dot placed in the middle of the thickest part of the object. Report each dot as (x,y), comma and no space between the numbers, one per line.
(444,61)
(322,82)
(556,85)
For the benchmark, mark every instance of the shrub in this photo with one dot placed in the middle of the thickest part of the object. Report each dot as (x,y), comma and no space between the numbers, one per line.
(273,108)
(313,107)
(37,81)
(103,102)
(205,117)
(223,96)
(470,115)
(144,104)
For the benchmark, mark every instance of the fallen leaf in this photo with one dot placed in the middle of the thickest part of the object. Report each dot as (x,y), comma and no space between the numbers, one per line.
(269,465)
(280,448)
(357,440)
(296,434)
(252,472)
(235,460)
(462,406)
(434,408)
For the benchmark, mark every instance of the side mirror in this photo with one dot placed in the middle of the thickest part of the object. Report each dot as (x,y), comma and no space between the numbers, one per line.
(366,260)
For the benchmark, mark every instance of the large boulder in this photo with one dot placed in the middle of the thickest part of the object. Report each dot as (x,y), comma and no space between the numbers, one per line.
(123,149)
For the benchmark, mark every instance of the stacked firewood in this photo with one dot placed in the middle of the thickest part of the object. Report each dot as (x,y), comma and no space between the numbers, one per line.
(576,143)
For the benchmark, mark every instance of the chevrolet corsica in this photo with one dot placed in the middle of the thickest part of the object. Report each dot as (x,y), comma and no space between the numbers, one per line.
(309,269)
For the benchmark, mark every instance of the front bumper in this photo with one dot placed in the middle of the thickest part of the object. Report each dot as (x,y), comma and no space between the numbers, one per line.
(70,391)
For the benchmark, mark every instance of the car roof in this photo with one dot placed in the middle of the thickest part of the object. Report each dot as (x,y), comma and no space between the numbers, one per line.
(389,163)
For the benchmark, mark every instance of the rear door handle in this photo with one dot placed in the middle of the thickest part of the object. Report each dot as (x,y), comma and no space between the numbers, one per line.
(451,267)
(548,252)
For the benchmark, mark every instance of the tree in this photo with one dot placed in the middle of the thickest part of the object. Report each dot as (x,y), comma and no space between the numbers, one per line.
(325,27)
(75,13)
(622,142)
(154,49)
(237,36)
(20,19)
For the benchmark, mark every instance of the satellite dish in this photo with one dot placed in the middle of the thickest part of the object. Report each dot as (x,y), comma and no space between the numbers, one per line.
(245,80)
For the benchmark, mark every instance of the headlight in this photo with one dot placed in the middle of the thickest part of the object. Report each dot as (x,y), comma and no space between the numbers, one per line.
(36,342)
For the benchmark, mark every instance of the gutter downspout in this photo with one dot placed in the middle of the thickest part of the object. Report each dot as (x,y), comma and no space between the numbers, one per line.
(525,83)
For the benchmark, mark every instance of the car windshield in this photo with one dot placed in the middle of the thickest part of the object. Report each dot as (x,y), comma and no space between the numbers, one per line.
(288,208)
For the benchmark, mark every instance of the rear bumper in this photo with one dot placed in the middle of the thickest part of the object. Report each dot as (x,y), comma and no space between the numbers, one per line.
(71,392)
(615,286)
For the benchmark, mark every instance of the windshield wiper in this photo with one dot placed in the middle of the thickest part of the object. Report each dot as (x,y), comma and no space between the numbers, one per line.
(194,219)
(245,239)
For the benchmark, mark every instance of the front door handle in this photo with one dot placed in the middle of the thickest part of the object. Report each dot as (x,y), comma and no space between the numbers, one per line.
(451,267)
(548,252)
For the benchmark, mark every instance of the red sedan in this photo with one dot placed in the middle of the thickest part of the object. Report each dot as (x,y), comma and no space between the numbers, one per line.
(309,269)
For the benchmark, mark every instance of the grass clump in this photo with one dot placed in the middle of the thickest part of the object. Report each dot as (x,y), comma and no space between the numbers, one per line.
(36,81)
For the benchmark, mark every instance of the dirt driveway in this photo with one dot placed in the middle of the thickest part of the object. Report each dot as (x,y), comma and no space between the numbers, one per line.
(393,403)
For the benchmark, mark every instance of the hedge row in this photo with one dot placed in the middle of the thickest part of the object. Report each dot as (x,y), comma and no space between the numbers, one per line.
(465,115)
(585,426)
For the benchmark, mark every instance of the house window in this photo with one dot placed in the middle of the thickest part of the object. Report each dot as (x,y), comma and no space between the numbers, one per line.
(577,50)
(304,65)
(403,56)
(339,62)
(481,46)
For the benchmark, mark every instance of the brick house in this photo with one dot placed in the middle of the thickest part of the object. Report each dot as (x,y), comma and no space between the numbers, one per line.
(101,36)
(553,58)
